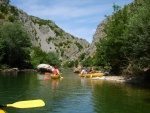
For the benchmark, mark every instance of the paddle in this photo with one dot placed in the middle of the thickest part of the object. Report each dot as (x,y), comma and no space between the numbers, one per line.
(26,104)
(2,111)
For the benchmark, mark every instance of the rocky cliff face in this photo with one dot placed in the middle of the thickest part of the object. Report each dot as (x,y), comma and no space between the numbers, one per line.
(49,37)
(99,34)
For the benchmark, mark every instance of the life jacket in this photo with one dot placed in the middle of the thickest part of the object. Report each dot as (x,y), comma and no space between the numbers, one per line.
(55,72)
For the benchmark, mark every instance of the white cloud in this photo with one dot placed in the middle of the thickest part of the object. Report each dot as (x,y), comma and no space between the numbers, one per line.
(77,17)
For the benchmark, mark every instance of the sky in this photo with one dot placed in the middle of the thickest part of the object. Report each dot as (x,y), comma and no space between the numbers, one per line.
(77,17)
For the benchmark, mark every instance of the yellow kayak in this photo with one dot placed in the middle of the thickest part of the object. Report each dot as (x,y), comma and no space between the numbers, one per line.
(91,75)
(53,76)
(2,111)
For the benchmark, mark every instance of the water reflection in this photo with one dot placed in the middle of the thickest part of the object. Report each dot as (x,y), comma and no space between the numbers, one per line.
(119,97)
(73,94)
(47,78)
(96,82)
(43,76)
(88,81)
(83,81)
(55,83)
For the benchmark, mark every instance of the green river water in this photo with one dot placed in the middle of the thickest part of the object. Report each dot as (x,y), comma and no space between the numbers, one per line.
(72,94)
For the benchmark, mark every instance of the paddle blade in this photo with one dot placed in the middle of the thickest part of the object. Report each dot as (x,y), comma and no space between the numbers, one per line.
(2,111)
(27,104)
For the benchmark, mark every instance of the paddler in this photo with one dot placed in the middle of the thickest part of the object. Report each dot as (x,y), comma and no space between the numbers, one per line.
(55,71)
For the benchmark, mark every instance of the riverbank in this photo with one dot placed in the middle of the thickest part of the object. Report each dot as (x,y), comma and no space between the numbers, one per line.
(15,70)
(126,79)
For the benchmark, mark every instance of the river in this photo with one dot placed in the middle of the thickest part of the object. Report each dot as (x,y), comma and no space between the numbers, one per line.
(72,94)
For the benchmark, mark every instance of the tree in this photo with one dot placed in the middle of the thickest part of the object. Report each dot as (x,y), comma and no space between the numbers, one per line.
(108,49)
(15,44)
(87,62)
(38,57)
(137,38)
(52,58)
(128,39)
(81,57)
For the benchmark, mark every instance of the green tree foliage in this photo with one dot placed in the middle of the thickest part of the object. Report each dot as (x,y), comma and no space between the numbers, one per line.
(14,45)
(4,9)
(1,50)
(70,64)
(128,39)
(79,46)
(87,62)
(52,58)
(81,57)
(137,38)
(14,11)
(38,57)
(1,16)
(108,50)
(11,18)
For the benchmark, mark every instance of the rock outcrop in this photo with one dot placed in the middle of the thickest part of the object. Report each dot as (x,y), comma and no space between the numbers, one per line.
(42,68)
(49,37)
(99,34)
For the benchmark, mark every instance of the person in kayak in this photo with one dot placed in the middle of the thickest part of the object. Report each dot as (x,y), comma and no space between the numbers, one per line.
(91,70)
(55,71)
(83,71)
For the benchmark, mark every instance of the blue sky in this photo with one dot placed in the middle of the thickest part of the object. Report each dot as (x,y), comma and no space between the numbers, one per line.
(77,17)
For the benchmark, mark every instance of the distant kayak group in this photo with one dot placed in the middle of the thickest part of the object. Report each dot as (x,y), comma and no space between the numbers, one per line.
(55,73)
(84,72)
